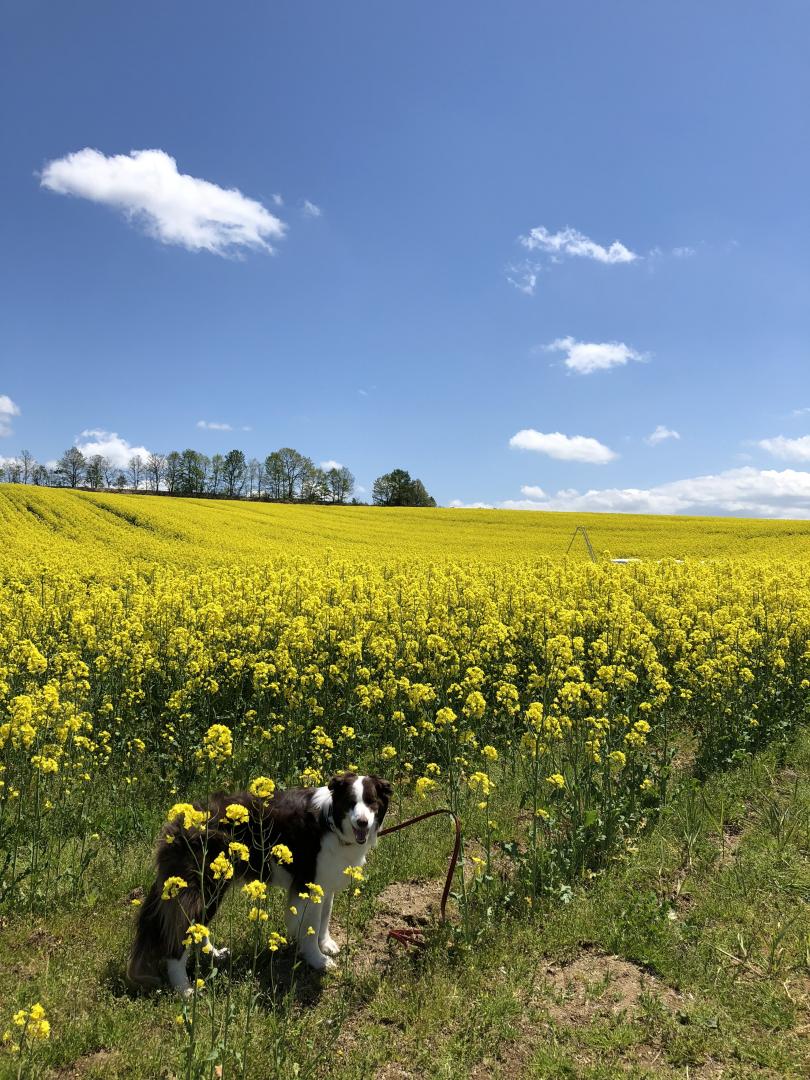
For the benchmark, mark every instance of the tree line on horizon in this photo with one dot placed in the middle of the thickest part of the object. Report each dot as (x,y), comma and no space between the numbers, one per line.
(285,475)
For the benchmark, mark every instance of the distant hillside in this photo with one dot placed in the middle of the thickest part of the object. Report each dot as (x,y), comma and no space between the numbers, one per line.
(56,527)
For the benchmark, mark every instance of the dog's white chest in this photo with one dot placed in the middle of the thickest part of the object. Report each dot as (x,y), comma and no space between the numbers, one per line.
(334,859)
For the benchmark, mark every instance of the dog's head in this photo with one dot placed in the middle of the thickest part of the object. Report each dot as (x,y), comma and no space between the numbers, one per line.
(359,804)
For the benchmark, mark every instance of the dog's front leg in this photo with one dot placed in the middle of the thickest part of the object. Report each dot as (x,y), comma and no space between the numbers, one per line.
(303,924)
(178,975)
(328,945)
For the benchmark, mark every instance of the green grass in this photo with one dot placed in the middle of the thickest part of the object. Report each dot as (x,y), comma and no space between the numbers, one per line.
(702,934)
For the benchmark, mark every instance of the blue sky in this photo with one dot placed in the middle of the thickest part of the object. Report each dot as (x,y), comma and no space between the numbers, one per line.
(653,157)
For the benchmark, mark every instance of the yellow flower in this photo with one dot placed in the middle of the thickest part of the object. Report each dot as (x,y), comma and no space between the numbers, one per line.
(257,914)
(275,941)
(190,815)
(490,752)
(281,853)
(172,886)
(237,813)
(314,893)
(262,787)
(239,851)
(217,744)
(482,782)
(355,873)
(255,890)
(197,934)
(388,752)
(221,867)
(423,786)
(617,760)
(556,780)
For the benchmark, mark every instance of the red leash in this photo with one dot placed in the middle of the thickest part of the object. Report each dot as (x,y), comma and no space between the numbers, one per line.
(409,935)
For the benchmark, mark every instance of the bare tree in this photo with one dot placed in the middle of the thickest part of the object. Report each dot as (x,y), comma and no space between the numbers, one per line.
(27,463)
(136,467)
(254,477)
(156,470)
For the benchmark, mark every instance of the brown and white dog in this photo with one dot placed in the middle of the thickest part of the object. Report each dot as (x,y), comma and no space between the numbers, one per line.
(327,829)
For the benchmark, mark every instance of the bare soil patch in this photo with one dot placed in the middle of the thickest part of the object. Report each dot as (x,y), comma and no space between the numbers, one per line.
(96,1063)
(596,985)
(593,986)
(412,905)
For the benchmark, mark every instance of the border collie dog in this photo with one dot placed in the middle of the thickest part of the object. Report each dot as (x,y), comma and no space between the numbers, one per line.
(327,829)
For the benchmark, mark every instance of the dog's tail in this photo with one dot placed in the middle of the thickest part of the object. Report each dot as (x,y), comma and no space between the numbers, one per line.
(163,923)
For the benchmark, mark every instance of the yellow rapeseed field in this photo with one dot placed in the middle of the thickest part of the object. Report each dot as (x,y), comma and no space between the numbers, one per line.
(150,646)
(153,650)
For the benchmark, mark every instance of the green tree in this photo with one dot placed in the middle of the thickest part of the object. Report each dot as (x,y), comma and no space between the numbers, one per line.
(71,466)
(234,473)
(397,488)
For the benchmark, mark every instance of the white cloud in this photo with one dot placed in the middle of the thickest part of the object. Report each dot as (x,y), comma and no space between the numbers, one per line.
(746,492)
(331,465)
(309,209)
(8,410)
(214,425)
(800,412)
(174,207)
(585,357)
(531,491)
(277,200)
(787,449)
(570,241)
(683,252)
(563,447)
(660,434)
(110,445)
(457,504)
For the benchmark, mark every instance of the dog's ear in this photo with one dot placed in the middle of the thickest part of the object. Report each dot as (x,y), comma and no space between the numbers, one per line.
(383,790)
(341,780)
(384,787)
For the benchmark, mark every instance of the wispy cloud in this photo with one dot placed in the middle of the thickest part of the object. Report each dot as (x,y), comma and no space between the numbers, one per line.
(330,465)
(309,209)
(110,445)
(215,425)
(549,247)
(563,447)
(787,449)
(571,242)
(523,276)
(175,208)
(585,357)
(661,434)
(531,491)
(8,410)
